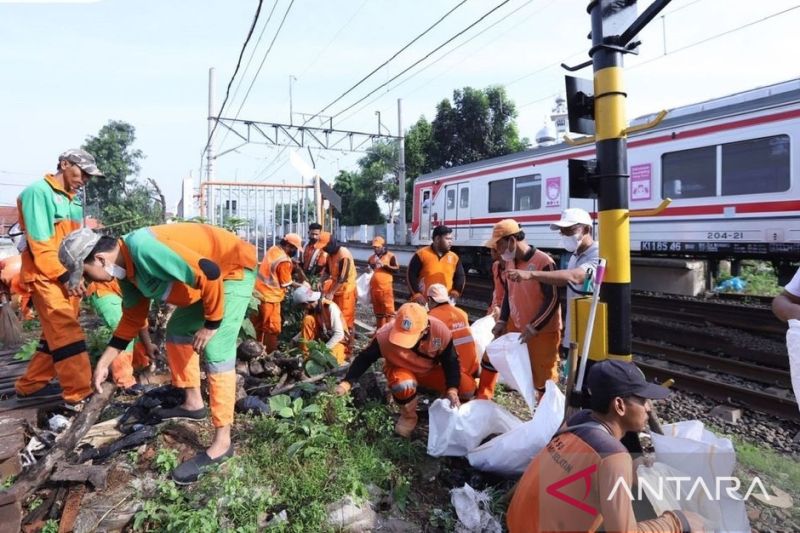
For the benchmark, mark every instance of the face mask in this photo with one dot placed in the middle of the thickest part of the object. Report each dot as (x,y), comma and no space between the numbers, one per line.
(115,271)
(571,242)
(508,254)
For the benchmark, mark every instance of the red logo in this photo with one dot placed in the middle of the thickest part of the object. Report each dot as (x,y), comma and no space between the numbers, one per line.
(585,474)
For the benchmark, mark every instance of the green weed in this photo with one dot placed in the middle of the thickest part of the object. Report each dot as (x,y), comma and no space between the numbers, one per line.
(51,526)
(27,350)
(166,460)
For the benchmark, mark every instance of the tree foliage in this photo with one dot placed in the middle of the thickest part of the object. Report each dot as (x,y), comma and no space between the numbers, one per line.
(120,201)
(476,124)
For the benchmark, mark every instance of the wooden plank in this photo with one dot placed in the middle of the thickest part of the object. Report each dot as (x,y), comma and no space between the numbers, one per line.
(94,474)
(71,509)
(10,445)
(10,467)
(11,517)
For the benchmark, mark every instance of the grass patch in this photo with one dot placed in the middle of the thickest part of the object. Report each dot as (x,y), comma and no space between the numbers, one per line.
(306,457)
(759,277)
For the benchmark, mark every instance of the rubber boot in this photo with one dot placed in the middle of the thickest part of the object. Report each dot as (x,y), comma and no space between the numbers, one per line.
(486,385)
(408,418)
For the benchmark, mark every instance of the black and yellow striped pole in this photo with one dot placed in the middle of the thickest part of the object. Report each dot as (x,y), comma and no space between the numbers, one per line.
(609,45)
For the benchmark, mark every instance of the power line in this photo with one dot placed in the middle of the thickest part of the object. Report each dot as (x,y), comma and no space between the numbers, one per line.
(415,39)
(235,71)
(711,38)
(249,61)
(429,65)
(426,56)
(376,69)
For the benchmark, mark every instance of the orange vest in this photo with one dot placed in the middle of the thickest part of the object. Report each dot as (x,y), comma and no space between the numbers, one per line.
(313,256)
(423,359)
(349,284)
(322,313)
(274,275)
(458,323)
(525,299)
(436,269)
(382,278)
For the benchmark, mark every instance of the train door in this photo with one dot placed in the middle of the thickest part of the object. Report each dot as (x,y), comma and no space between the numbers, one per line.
(425,215)
(456,197)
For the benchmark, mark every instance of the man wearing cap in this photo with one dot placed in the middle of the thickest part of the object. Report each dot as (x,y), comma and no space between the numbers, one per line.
(313,257)
(436,264)
(417,350)
(209,275)
(568,486)
(339,283)
(530,308)
(440,306)
(381,291)
(50,209)
(575,229)
(274,277)
(323,321)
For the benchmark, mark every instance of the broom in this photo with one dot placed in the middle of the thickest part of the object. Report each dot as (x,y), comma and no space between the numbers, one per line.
(10,328)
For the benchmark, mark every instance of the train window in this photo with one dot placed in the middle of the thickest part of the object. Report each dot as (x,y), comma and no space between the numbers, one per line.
(501,195)
(528,193)
(755,166)
(463,198)
(451,199)
(689,173)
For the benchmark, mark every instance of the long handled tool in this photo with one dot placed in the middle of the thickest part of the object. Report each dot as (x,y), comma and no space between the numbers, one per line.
(577,393)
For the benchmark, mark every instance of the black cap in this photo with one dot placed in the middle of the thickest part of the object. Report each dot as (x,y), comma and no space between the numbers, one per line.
(611,378)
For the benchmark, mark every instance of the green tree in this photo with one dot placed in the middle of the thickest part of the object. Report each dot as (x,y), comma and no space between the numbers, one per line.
(135,209)
(113,149)
(418,150)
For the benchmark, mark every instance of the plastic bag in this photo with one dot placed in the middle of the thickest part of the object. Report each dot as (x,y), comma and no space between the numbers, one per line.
(670,496)
(511,452)
(482,333)
(362,288)
(472,509)
(793,347)
(689,447)
(459,431)
(510,359)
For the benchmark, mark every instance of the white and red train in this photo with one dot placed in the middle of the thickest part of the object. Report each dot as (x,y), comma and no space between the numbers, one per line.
(730,165)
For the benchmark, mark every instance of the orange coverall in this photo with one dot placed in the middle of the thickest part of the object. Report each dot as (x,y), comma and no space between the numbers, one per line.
(342,270)
(47,214)
(458,322)
(380,286)
(321,324)
(10,278)
(274,276)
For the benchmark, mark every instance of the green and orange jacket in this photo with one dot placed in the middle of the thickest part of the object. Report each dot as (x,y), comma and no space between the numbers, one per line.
(48,213)
(179,264)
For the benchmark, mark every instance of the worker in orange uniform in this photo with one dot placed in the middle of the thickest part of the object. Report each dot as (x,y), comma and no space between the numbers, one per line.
(457,321)
(498,285)
(11,285)
(417,349)
(50,209)
(274,277)
(383,264)
(339,284)
(323,322)
(105,297)
(313,260)
(530,308)
(436,264)
(209,274)
(569,485)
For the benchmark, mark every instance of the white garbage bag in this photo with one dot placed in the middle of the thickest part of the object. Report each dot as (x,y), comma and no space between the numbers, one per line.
(510,359)
(472,509)
(793,346)
(362,288)
(690,448)
(458,431)
(665,495)
(482,333)
(510,453)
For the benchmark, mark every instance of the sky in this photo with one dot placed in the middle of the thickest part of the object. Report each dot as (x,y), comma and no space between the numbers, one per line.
(68,67)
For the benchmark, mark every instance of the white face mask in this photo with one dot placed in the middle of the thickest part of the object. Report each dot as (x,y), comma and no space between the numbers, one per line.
(571,242)
(509,253)
(115,271)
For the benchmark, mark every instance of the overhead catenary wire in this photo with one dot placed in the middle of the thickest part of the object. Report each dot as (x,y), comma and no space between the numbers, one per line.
(235,71)
(247,66)
(333,39)
(361,81)
(426,56)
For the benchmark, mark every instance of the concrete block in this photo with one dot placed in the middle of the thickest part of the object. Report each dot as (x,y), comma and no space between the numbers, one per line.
(729,414)
(673,276)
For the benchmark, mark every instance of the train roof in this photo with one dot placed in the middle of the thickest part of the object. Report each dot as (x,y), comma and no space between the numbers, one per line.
(737,103)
